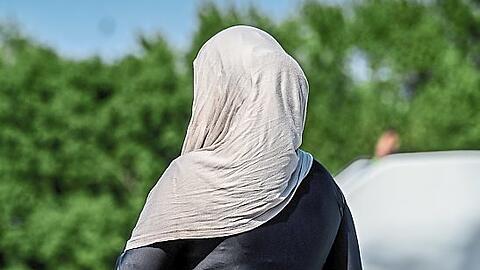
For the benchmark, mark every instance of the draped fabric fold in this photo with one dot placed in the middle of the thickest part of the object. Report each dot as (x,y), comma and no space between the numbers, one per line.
(240,162)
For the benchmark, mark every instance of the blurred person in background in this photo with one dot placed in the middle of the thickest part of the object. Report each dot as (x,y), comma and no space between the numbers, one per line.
(243,195)
(388,143)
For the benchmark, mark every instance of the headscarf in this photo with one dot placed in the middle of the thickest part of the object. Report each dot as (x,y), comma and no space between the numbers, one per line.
(240,162)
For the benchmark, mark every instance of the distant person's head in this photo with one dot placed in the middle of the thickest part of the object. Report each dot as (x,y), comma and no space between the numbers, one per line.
(387,144)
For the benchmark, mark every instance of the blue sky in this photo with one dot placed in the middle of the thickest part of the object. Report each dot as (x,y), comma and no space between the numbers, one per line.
(82,28)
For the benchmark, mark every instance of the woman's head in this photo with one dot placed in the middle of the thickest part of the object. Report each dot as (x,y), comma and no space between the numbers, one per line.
(240,160)
(247,91)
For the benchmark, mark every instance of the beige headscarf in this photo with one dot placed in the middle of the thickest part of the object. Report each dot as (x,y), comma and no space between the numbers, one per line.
(240,163)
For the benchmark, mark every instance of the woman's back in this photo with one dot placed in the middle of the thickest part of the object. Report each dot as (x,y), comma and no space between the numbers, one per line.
(242,194)
(314,231)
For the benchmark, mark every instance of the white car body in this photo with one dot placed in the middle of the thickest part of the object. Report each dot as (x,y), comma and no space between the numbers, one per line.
(416,210)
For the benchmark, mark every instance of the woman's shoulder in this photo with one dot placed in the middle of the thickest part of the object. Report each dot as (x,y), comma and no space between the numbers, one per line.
(320,173)
(319,169)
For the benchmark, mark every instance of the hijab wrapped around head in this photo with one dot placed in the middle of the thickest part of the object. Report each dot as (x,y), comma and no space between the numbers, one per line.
(240,163)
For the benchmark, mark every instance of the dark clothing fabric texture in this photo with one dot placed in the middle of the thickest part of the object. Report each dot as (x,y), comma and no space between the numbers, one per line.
(314,231)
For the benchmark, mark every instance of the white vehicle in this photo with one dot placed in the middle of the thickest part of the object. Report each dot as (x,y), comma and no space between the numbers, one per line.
(416,210)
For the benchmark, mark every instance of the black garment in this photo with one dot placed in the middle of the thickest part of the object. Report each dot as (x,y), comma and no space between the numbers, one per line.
(314,231)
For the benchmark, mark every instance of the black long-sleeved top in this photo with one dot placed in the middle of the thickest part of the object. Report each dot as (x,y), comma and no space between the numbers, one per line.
(314,231)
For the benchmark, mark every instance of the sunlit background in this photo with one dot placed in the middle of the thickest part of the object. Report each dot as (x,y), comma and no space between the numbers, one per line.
(79,29)
(95,97)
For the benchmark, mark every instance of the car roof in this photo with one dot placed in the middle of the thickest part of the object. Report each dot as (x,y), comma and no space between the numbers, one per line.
(415,207)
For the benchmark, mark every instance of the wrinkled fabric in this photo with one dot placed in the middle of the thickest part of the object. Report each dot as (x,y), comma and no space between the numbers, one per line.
(314,231)
(240,162)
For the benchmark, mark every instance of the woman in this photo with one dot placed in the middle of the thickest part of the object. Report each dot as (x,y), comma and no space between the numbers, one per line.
(242,195)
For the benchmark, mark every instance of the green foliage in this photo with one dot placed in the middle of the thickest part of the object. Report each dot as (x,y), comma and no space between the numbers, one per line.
(82,142)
